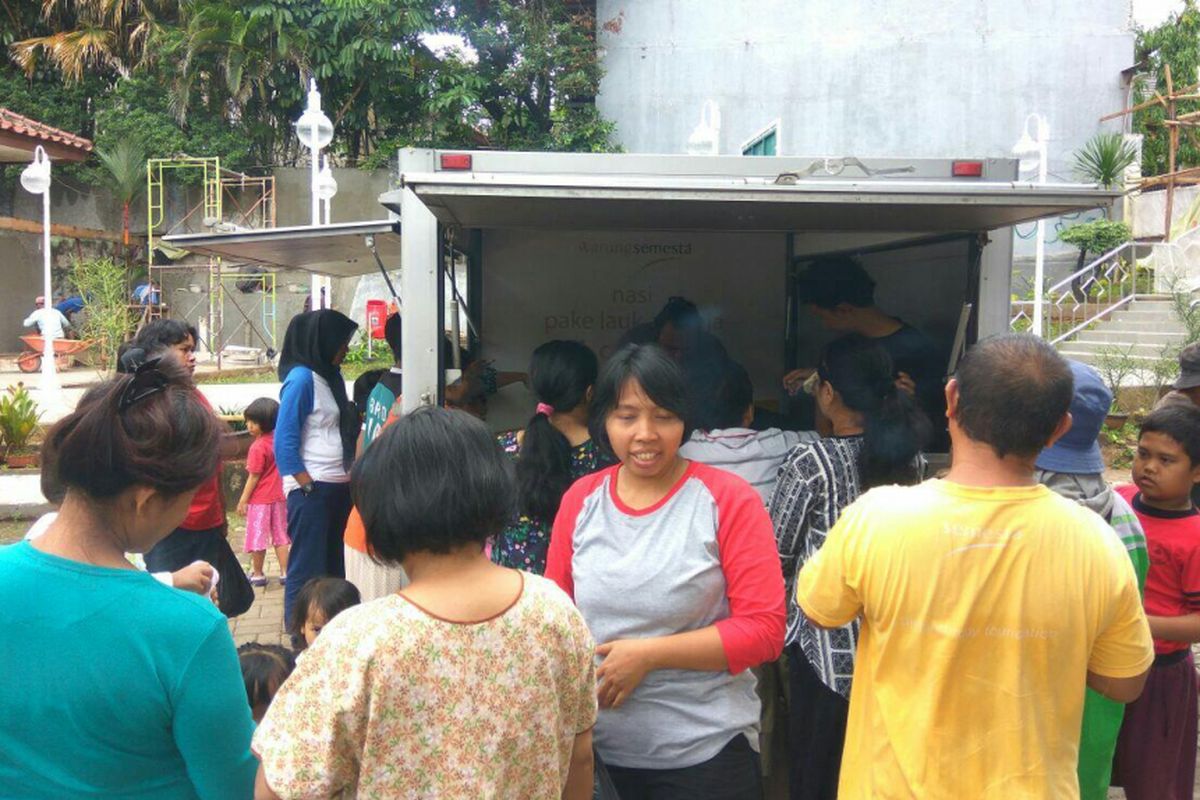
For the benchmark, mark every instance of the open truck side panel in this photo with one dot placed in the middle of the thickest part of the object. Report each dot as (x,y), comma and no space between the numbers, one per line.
(585,246)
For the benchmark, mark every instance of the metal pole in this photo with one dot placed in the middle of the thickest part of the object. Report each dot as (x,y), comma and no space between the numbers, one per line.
(1039,264)
(315,303)
(49,368)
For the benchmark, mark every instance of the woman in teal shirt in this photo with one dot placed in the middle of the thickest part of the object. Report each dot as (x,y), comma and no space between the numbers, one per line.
(115,685)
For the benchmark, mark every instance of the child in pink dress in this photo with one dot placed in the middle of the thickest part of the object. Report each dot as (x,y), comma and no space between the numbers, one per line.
(262,501)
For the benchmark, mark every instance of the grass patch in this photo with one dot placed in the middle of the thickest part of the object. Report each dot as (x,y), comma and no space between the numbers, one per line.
(269,374)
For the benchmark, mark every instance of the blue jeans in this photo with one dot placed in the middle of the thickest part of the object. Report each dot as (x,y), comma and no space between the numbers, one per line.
(316,523)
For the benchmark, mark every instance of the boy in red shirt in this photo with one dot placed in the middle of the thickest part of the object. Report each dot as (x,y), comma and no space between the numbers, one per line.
(262,501)
(1156,751)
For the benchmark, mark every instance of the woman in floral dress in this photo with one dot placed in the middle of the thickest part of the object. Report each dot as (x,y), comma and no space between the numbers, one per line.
(473,681)
(553,451)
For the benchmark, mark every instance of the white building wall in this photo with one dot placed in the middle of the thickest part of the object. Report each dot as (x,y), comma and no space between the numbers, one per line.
(865,77)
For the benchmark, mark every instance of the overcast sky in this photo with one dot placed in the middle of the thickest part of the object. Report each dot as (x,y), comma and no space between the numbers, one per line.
(1148,13)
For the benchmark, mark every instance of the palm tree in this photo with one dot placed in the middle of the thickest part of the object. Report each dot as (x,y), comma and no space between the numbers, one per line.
(1104,159)
(95,34)
(126,167)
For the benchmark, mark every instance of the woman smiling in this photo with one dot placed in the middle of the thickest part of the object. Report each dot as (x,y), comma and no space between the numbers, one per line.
(673,565)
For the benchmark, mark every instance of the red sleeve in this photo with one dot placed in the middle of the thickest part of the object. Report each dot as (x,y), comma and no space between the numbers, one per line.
(1189,571)
(753,632)
(562,535)
(256,458)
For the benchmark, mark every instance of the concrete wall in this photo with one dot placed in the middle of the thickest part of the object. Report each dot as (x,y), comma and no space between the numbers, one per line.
(21,254)
(357,198)
(865,77)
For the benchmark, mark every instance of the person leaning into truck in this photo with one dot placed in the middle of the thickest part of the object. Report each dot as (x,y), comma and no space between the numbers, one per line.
(841,295)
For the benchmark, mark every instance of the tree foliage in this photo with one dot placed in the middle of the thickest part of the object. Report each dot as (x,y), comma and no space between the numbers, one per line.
(1176,43)
(1097,236)
(1104,158)
(228,77)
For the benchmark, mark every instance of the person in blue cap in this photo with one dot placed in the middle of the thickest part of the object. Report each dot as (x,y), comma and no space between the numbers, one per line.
(1073,467)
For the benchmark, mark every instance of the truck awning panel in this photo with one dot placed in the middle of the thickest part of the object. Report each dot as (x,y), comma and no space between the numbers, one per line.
(616,202)
(339,250)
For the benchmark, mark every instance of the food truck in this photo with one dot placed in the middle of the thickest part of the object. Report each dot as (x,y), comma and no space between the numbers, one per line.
(506,250)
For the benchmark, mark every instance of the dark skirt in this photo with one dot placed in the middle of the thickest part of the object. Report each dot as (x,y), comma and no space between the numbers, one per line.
(816,731)
(1156,751)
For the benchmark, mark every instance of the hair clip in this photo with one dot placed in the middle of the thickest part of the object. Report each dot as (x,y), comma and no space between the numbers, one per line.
(147,380)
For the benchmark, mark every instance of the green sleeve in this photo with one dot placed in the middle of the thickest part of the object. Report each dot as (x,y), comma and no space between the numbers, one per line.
(212,723)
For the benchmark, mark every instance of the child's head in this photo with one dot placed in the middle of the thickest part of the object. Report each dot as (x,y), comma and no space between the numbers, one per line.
(260,416)
(363,386)
(434,482)
(1167,463)
(264,669)
(319,601)
(392,335)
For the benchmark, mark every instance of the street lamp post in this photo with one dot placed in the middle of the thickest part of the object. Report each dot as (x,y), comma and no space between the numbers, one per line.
(327,188)
(36,179)
(315,131)
(1027,149)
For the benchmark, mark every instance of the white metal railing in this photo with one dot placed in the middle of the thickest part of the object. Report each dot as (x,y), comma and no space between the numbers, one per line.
(1089,294)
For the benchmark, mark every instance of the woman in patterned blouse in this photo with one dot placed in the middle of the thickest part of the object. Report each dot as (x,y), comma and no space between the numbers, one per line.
(878,433)
(474,681)
(552,452)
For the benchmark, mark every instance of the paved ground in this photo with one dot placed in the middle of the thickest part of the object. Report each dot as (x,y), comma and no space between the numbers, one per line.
(264,621)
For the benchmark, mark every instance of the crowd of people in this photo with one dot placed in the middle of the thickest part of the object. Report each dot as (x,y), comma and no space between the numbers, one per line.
(593,605)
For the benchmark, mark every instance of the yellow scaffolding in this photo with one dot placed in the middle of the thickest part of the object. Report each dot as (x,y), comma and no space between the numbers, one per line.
(218,186)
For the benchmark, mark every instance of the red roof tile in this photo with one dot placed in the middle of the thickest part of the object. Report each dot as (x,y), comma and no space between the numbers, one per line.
(24,126)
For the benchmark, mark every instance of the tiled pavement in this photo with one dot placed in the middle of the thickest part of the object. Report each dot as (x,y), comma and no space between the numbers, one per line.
(264,621)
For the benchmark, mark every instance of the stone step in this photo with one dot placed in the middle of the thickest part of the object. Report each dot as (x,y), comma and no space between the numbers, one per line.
(1139,326)
(1137,350)
(1122,336)
(1144,315)
(1092,358)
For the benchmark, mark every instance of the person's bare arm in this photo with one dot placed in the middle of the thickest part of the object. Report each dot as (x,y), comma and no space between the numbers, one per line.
(252,480)
(1121,690)
(261,790)
(626,661)
(1175,629)
(581,775)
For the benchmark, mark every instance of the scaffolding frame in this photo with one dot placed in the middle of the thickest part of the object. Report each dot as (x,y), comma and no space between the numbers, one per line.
(222,190)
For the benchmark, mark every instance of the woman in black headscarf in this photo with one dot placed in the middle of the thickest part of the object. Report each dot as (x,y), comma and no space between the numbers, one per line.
(315,436)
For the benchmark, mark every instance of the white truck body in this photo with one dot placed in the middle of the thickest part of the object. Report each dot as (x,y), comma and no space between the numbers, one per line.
(583,246)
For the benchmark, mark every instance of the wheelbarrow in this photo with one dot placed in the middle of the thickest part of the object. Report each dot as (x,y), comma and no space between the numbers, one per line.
(65,351)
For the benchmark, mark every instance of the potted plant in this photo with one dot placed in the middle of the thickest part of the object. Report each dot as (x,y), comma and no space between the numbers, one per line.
(19,417)
(1115,367)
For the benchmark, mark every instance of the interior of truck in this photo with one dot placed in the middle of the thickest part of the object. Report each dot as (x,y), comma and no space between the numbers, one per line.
(522,289)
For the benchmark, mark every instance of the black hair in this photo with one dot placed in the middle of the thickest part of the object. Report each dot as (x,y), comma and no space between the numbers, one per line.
(263,413)
(392,335)
(657,373)
(894,427)
(149,428)
(721,394)
(433,481)
(330,596)
(264,669)
(560,374)
(1013,391)
(680,313)
(1179,422)
(828,282)
(163,333)
(363,386)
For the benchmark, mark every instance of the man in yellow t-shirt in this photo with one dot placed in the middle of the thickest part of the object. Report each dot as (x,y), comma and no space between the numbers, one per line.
(988,603)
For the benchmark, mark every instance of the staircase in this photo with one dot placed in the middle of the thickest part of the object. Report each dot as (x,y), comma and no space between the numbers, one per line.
(1147,328)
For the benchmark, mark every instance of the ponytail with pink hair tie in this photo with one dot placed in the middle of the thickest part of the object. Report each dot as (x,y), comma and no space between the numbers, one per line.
(544,408)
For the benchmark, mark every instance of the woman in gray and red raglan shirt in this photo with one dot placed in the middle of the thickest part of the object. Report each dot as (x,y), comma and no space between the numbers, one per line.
(674,567)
